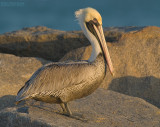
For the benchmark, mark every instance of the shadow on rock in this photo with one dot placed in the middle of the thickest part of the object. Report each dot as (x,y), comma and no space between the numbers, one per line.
(147,88)
(23,109)
(47,43)
(49,50)
(7,101)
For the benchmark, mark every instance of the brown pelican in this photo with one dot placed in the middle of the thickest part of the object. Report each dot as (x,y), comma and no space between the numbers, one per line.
(61,82)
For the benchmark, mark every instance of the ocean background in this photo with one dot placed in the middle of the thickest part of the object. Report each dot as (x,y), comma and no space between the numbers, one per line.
(59,14)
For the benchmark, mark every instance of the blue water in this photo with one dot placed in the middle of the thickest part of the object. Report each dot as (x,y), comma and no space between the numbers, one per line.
(59,14)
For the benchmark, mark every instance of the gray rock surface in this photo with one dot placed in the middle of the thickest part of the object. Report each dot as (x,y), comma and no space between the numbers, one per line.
(14,72)
(103,108)
(135,55)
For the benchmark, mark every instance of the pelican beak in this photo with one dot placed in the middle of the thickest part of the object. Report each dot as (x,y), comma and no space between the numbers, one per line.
(99,31)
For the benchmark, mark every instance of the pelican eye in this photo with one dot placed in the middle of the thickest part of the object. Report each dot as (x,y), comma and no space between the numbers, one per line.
(96,23)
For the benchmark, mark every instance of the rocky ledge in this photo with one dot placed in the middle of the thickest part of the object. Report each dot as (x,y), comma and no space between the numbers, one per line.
(130,98)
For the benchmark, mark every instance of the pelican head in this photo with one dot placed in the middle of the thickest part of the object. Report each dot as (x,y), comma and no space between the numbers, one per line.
(91,23)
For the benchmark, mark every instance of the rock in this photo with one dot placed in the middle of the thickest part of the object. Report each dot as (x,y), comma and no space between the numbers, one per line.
(82,53)
(48,43)
(136,62)
(103,108)
(40,42)
(123,29)
(14,72)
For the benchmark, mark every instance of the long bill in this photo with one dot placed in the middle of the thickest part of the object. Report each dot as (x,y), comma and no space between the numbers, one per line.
(99,31)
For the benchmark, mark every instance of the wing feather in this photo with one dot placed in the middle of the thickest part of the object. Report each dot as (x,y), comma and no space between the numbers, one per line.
(53,77)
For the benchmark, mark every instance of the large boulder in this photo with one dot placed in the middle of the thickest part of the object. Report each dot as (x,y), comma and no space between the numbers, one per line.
(103,108)
(14,72)
(39,42)
(48,43)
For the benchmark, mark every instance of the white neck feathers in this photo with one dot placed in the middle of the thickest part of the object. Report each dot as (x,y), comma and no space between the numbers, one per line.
(94,42)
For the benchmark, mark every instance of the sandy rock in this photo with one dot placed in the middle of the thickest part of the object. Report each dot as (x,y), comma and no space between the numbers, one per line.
(14,72)
(136,62)
(48,43)
(40,42)
(103,108)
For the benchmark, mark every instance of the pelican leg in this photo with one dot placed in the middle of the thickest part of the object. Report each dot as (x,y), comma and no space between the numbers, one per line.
(69,113)
(63,107)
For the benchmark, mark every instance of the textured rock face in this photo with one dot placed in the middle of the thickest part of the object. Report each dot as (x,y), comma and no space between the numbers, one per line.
(47,43)
(40,42)
(14,72)
(102,108)
(135,55)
